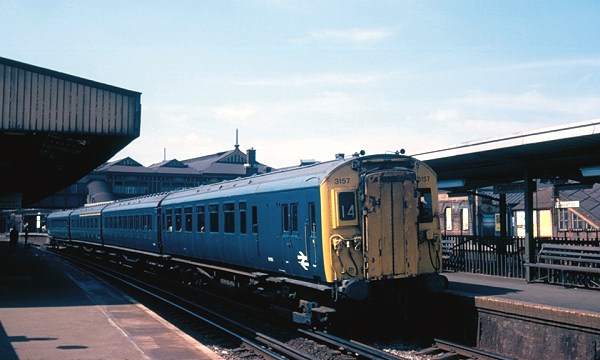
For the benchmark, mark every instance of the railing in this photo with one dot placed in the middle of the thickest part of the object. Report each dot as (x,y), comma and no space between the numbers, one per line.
(492,255)
(484,255)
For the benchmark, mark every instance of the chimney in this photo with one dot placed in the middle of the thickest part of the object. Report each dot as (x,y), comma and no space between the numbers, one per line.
(251,165)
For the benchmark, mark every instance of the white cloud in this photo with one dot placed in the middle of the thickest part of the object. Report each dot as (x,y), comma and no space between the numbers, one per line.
(582,107)
(356,35)
(319,79)
(235,113)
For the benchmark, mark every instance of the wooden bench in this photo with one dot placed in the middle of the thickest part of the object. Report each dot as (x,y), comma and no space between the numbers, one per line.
(573,261)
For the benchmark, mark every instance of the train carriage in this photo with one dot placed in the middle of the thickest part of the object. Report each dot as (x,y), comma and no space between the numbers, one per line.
(132,224)
(58,226)
(86,224)
(317,235)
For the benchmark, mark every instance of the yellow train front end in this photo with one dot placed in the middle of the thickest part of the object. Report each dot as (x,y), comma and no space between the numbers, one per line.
(381,226)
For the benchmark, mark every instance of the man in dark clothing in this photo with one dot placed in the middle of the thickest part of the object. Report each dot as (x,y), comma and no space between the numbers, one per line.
(26,230)
(14,238)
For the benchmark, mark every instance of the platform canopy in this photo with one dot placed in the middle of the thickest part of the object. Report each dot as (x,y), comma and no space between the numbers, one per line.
(561,153)
(56,128)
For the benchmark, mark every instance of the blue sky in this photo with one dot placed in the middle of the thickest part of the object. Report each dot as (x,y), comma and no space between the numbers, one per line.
(309,79)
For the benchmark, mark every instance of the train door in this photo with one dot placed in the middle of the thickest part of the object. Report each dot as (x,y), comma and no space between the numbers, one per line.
(254,238)
(390,210)
(290,238)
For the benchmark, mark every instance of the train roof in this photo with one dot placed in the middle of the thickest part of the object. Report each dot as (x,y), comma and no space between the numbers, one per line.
(151,200)
(299,177)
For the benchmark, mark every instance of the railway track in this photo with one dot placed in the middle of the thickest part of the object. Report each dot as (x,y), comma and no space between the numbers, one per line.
(443,349)
(238,331)
(233,329)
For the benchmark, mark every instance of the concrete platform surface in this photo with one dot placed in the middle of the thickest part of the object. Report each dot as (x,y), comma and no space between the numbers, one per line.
(51,310)
(511,289)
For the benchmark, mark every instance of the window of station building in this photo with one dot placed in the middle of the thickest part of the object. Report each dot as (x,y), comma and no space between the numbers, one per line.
(213,213)
(465,218)
(242,209)
(570,221)
(178,220)
(200,218)
(254,220)
(229,218)
(188,218)
(563,219)
(448,218)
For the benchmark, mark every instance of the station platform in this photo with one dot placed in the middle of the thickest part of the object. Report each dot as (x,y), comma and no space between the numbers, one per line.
(521,320)
(51,310)
(502,289)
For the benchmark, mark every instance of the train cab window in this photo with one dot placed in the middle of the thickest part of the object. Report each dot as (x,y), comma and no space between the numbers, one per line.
(254,220)
(425,206)
(178,220)
(229,218)
(169,220)
(242,209)
(200,218)
(187,212)
(213,213)
(345,205)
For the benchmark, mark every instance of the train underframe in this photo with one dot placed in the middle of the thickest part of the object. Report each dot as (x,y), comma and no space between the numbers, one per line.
(311,304)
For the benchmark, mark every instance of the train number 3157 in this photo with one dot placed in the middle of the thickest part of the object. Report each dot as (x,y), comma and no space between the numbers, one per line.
(341,181)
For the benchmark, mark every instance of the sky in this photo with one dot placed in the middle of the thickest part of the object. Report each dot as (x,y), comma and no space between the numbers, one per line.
(305,80)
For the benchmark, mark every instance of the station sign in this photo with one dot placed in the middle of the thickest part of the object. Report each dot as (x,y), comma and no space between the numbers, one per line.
(567,204)
(510,188)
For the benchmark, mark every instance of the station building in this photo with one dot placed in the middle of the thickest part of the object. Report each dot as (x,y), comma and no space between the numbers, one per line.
(560,211)
(127,178)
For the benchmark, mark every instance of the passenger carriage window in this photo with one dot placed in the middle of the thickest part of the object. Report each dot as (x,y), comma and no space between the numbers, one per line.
(229,220)
(285,214)
(294,217)
(178,221)
(312,222)
(425,206)
(254,220)
(169,218)
(188,218)
(213,218)
(289,217)
(242,208)
(200,218)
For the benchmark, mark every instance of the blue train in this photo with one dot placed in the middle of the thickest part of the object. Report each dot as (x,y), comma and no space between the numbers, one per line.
(364,228)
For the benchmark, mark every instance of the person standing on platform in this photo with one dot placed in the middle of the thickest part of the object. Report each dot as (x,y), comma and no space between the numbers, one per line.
(26,229)
(14,238)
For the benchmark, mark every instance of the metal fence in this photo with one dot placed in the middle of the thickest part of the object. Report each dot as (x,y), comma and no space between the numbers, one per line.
(492,255)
